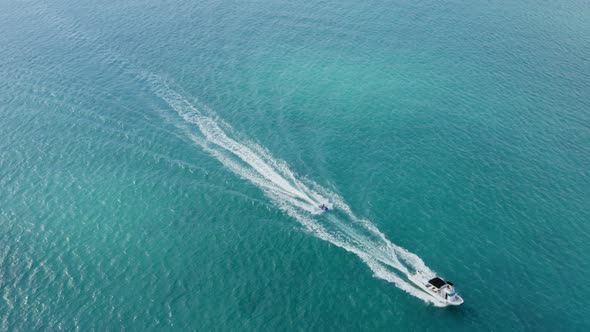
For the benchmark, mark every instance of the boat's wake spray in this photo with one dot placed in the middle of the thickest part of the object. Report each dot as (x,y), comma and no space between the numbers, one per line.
(300,198)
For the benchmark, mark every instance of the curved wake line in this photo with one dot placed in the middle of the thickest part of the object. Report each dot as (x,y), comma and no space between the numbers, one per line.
(299,198)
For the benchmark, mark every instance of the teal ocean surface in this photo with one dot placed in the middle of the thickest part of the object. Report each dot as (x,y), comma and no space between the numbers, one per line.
(162,163)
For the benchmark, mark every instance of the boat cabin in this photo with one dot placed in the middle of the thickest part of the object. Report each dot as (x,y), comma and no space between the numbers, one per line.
(441,287)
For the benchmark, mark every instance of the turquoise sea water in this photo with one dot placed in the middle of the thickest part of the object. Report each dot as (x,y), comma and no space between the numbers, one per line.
(160,164)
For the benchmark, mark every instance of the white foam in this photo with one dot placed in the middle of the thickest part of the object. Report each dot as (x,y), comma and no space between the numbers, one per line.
(299,198)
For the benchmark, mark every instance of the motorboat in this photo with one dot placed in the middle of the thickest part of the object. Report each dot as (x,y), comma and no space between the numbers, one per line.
(443,291)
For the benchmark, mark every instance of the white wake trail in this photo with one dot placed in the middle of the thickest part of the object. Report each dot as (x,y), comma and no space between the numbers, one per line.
(297,197)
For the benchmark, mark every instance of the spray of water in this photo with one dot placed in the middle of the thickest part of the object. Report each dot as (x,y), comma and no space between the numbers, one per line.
(296,196)
(300,198)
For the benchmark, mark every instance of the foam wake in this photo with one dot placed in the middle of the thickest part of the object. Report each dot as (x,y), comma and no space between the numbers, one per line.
(296,196)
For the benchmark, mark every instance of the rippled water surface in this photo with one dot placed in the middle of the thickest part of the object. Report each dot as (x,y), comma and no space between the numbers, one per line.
(162,163)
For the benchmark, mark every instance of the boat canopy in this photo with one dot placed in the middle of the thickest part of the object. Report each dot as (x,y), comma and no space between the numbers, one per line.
(437,282)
